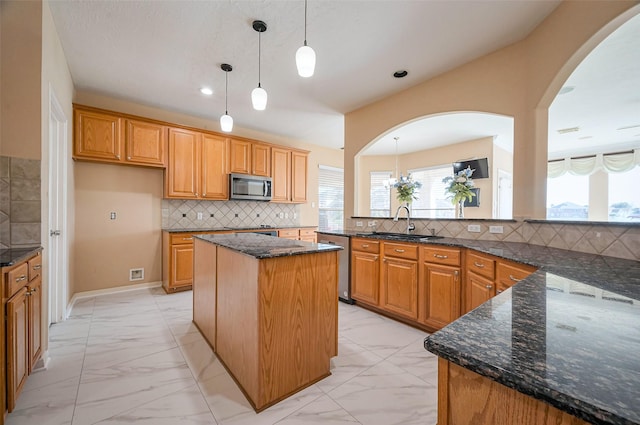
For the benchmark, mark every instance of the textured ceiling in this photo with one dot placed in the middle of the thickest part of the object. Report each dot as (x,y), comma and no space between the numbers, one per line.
(160,53)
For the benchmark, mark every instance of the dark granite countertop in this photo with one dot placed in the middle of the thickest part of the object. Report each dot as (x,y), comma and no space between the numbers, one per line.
(227,229)
(263,246)
(9,257)
(569,334)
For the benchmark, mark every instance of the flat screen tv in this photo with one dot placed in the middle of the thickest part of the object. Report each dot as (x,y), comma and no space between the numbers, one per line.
(475,201)
(481,167)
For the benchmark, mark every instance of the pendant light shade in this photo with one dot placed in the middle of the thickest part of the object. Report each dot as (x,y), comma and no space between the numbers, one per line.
(259,95)
(305,56)
(226,122)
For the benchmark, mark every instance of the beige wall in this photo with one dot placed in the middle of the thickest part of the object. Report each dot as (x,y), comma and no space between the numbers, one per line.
(520,80)
(21,52)
(479,148)
(103,249)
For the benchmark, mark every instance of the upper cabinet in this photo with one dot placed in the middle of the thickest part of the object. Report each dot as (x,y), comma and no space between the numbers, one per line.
(103,136)
(197,166)
(248,157)
(289,175)
(260,159)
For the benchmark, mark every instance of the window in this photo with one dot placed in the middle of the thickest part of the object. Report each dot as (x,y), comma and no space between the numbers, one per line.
(330,198)
(624,197)
(568,197)
(380,194)
(432,199)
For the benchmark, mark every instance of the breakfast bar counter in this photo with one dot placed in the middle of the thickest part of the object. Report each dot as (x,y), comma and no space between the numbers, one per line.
(268,308)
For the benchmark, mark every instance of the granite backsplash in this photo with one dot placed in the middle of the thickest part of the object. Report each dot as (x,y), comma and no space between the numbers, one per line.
(20,202)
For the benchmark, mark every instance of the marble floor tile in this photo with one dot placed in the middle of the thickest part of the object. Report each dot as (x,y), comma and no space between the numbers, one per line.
(136,357)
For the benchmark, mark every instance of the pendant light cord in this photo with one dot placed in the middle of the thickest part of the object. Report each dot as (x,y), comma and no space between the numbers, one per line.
(226,92)
(259,55)
(305,22)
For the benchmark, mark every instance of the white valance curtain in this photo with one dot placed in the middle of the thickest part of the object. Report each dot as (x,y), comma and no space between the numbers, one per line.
(610,163)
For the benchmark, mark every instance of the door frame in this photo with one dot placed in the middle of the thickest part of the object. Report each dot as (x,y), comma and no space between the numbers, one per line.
(57,254)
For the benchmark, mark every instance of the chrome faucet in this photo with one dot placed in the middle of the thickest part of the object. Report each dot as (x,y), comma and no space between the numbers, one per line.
(410,225)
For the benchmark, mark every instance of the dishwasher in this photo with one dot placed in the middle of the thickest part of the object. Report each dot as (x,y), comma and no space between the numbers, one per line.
(344,274)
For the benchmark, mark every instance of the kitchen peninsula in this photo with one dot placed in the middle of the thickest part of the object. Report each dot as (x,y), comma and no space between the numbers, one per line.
(268,308)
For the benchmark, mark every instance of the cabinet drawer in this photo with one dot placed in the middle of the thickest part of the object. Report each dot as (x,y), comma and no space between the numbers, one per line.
(399,250)
(509,274)
(181,238)
(16,279)
(288,233)
(365,245)
(441,255)
(35,267)
(307,232)
(480,264)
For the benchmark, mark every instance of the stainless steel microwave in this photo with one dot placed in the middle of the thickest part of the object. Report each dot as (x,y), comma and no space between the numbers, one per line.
(249,188)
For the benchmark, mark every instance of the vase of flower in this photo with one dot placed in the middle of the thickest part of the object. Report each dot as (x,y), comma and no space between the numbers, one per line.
(459,188)
(406,189)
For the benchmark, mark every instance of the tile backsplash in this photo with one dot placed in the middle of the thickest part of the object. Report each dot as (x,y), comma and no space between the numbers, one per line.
(184,214)
(622,241)
(20,203)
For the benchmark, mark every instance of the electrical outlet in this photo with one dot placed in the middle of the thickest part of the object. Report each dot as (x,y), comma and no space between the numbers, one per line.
(199,215)
(474,228)
(286,215)
(496,229)
(295,216)
(136,274)
(281,215)
(372,224)
(358,224)
(113,215)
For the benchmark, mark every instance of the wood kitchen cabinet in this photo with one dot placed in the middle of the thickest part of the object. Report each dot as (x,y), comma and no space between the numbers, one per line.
(309,235)
(509,273)
(440,285)
(22,290)
(177,274)
(365,270)
(399,284)
(104,136)
(240,156)
(289,175)
(197,167)
(260,159)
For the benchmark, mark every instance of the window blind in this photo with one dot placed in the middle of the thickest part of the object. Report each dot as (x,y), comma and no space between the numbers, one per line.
(330,198)
(432,199)
(380,194)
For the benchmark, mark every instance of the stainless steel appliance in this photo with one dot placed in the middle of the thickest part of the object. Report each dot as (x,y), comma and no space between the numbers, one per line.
(344,277)
(249,188)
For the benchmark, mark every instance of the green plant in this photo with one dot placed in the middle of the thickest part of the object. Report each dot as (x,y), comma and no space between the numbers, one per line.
(406,188)
(459,186)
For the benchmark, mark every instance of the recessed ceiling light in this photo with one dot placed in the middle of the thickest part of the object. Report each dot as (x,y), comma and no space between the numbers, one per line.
(568,130)
(206,90)
(400,74)
(566,89)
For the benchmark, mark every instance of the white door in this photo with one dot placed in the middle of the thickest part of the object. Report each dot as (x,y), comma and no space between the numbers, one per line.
(505,195)
(57,252)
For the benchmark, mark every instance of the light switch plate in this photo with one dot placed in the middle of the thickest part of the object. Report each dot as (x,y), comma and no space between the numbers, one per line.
(473,228)
(496,229)
(358,224)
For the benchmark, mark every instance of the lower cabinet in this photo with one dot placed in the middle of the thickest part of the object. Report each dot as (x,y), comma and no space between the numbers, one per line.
(22,288)
(177,264)
(441,294)
(399,284)
(365,271)
(479,290)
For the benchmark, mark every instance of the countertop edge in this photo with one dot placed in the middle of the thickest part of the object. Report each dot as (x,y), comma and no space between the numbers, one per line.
(28,252)
(266,255)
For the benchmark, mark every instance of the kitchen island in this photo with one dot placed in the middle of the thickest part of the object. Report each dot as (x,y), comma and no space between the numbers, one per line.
(268,308)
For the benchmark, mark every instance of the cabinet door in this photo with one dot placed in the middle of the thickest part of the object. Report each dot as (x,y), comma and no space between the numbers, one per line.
(145,143)
(441,294)
(17,346)
(215,159)
(298,177)
(35,321)
(365,277)
(240,157)
(260,160)
(400,286)
(479,290)
(508,274)
(97,136)
(182,258)
(280,171)
(182,174)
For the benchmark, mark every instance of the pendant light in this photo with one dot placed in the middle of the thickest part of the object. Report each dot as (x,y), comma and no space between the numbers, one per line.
(226,122)
(259,95)
(393,180)
(305,56)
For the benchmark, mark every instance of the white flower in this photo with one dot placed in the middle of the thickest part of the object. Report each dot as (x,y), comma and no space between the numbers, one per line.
(461,179)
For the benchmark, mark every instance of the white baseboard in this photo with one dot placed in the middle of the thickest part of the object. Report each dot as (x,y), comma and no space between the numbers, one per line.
(108,291)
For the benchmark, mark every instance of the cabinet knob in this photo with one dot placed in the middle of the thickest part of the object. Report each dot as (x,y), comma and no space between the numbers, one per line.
(37,267)
(21,278)
(117,156)
(187,239)
(400,250)
(478,265)
(384,260)
(489,286)
(499,291)
(514,279)
(365,245)
(444,257)
(129,158)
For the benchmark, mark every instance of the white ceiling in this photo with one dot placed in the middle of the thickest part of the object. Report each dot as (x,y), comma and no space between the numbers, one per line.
(160,53)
